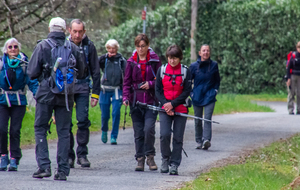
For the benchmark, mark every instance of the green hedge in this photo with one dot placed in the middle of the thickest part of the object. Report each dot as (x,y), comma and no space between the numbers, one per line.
(249,39)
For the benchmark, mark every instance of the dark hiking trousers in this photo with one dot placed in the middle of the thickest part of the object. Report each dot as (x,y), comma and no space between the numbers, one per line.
(16,115)
(166,122)
(203,133)
(63,119)
(143,121)
(83,124)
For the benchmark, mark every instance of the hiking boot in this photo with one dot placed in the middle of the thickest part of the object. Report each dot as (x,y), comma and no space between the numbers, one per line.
(104,137)
(113,141)
(141,164)
(60,176)
(199,146)
(151,163)
(71,163)
(40,173)
(84,162)
(4,162)
(164,165)
(173,170)
(206,145)
(13,165)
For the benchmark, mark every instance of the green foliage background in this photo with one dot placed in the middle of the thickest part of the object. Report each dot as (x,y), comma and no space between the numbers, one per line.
(249,39)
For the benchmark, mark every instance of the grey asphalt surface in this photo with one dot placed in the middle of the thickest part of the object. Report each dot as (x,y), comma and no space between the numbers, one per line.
(112,166)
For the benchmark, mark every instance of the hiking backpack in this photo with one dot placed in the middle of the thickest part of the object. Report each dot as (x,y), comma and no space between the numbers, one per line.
(62,80)
(183,72)
(188,102)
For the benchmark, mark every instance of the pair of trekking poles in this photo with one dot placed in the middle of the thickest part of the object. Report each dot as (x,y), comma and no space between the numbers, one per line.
(155,108)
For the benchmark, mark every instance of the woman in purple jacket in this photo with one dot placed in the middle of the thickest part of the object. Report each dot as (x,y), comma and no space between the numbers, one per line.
(139,85)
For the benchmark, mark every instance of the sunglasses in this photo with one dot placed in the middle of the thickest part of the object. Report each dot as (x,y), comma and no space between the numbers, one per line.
(15,47)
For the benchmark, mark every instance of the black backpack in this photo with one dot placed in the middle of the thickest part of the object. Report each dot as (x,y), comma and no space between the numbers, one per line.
(63,72)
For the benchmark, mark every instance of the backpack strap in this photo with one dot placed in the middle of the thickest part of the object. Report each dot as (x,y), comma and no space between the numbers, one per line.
(51,43)
(183,71)
(162,71)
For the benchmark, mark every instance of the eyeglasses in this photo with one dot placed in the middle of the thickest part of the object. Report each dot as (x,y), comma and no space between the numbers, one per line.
(15,47)
(140,46)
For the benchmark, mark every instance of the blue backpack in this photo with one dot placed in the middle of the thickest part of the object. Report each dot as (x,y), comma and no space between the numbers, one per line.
(62,80)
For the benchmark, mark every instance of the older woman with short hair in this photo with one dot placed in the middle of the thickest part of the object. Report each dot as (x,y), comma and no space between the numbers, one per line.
(112,65)
(13,79)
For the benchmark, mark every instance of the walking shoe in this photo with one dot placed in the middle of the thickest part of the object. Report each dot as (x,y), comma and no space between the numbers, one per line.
(206,145)
(104,137)
(84,162)
(71,163)
(4,162)
(164,165)
(141,164)
(199,146)
(291,113)
(60,176)
(151,163)
(40,173)
(13,165)
(173,170)
(113,141)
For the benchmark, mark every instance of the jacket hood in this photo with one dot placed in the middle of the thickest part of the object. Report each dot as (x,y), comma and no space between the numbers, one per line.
(59,37)
(151,56)
(203,62)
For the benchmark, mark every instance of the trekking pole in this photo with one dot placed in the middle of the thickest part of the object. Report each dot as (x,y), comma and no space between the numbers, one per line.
(126,101)
(155,108)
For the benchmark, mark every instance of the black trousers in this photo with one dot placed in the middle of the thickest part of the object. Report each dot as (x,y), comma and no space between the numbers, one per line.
(179,123)
(143,121)
(83,132)
(63,119)
(16,114)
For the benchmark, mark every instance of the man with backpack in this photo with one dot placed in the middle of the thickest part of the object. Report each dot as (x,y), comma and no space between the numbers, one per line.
(54,63)
(82,92)
(293,80)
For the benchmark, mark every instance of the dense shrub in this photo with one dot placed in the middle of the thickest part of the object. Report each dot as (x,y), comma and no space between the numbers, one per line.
(249,38)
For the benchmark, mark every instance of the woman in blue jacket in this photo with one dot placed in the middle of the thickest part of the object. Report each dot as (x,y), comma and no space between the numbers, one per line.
(205,74)
(13,79)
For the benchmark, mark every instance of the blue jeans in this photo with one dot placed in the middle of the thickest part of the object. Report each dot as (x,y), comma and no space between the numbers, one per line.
(106,99)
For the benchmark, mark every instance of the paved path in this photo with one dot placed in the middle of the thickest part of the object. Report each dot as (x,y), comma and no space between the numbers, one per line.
(113,166)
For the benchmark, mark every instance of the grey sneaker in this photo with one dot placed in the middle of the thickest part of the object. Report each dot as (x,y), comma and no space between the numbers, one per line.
(206,145)
(174,170)
(84,162)
(40,173)
(164,165)
(199,146)
(60,176)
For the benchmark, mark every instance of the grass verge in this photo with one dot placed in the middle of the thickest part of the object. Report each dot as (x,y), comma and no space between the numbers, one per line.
(272,167)
(226,104)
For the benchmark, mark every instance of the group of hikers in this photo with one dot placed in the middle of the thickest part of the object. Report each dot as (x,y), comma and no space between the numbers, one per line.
(63,70)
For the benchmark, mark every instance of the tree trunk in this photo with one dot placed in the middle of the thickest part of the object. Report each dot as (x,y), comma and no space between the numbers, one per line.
(194,9)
